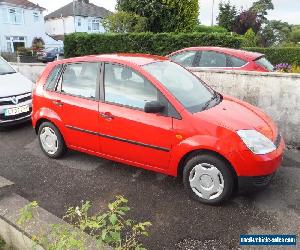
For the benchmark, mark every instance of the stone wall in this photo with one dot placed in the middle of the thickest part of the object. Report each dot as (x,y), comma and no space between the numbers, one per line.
(277,94)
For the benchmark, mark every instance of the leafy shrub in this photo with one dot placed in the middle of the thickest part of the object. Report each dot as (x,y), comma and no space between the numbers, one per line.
(79,44)
(22,51)
(295,69)
(277,55)
(210,29)
(110,227)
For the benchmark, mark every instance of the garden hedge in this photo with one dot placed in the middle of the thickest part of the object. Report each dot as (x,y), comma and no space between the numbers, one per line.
(79,44)
(280,55)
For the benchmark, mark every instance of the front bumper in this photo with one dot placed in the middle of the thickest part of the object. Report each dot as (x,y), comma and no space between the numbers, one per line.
(254,183)
(15,121)
(6,121)
(247,164)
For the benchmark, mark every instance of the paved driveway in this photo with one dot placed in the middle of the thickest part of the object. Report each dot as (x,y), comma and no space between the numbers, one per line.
(178,222)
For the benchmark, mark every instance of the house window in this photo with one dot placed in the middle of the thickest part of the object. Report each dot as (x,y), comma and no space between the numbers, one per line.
(15,42)
(95,24)
(35,17)
(79,22)
(15,16)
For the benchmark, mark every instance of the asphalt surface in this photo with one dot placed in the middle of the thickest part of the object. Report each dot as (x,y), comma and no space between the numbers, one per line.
(178,222)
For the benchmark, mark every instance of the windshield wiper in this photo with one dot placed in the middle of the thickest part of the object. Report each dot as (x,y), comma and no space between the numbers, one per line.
(214,97)
(7,73)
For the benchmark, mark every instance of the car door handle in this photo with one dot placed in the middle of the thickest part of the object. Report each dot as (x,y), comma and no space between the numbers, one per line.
(106,115)
(57,103)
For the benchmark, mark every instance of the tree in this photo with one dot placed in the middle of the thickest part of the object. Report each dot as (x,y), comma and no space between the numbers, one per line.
(250,39)
(246,20)
(227,15)
(274,32)
(164,15)
(261,7)
(125,22)
(295,35)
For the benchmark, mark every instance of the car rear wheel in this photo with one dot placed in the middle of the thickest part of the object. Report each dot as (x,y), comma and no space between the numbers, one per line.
(51,140)
(208,179)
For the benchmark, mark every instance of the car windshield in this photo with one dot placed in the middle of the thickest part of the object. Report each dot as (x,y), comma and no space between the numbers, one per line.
(265,63)
(189,90)
(5,68)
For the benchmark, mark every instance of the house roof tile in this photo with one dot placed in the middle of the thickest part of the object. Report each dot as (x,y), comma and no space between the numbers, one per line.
(23,3)
(80,8)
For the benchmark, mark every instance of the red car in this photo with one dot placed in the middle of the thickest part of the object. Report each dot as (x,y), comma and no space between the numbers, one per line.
(221,58)
(149,112)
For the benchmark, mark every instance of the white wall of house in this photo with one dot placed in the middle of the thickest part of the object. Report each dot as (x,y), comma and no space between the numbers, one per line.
(60,26)
(20,25)
(67,25)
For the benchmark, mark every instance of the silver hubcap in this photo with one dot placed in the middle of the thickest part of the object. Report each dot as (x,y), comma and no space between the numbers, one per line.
(49,140)
(206,181)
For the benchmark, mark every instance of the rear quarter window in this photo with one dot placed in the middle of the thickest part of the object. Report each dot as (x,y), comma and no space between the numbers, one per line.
(263,62)
(53,77)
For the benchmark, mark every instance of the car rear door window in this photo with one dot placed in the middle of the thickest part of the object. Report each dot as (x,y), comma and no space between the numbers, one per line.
(235,62)
(126,87)
(212,59)
(80,79)
(185,58)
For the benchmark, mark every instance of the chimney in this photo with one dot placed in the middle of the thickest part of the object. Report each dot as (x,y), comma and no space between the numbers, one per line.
(83,1)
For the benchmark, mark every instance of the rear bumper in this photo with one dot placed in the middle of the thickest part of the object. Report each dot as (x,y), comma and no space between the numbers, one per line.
(254,183)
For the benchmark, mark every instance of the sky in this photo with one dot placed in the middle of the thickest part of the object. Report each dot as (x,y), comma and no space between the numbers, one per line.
(285,10)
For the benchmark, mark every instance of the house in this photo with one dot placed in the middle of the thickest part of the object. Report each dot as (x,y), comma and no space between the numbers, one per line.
(22,25)
(77,16)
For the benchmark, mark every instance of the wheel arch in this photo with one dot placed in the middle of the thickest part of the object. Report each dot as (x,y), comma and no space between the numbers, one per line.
(195,152)
(40,122)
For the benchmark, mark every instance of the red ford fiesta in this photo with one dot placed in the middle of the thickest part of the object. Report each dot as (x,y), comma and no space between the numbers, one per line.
(149,112)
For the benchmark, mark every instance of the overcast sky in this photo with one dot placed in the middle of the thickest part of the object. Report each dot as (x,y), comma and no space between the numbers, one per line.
(285,10)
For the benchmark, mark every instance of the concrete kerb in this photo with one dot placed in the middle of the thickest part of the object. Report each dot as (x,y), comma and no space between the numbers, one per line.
(21,238)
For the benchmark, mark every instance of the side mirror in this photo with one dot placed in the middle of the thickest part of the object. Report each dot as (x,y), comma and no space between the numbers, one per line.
(154,107)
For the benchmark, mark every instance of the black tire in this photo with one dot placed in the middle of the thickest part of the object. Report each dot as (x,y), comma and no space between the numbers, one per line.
(61,146)
(221,165)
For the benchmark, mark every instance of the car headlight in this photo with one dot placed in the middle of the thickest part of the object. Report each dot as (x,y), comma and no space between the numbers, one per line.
(256,142)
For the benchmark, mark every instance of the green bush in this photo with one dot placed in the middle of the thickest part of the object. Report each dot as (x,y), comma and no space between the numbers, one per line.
(79,44)
(210,29)
(280,55)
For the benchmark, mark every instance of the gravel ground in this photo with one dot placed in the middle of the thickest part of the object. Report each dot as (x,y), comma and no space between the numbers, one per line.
(178,222)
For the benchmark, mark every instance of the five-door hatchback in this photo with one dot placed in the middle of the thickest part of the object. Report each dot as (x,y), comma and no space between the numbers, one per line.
(149,112)
(221,58)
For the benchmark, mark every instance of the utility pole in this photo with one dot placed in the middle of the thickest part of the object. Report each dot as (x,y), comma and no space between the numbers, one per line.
(212,12)
(74,15)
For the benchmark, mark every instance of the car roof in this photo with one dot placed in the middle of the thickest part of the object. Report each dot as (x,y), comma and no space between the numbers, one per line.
(126,58)
(243,54)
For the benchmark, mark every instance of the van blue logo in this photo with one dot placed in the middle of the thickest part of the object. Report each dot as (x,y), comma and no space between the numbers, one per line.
(14,100)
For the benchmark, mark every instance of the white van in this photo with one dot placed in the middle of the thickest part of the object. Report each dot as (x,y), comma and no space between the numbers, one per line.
(15,96)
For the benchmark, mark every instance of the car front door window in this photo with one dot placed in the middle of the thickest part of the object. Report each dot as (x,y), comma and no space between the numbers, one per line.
(125,87)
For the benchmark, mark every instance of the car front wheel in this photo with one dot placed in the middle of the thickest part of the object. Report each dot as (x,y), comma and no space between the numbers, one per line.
(51,140)
(208,179)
